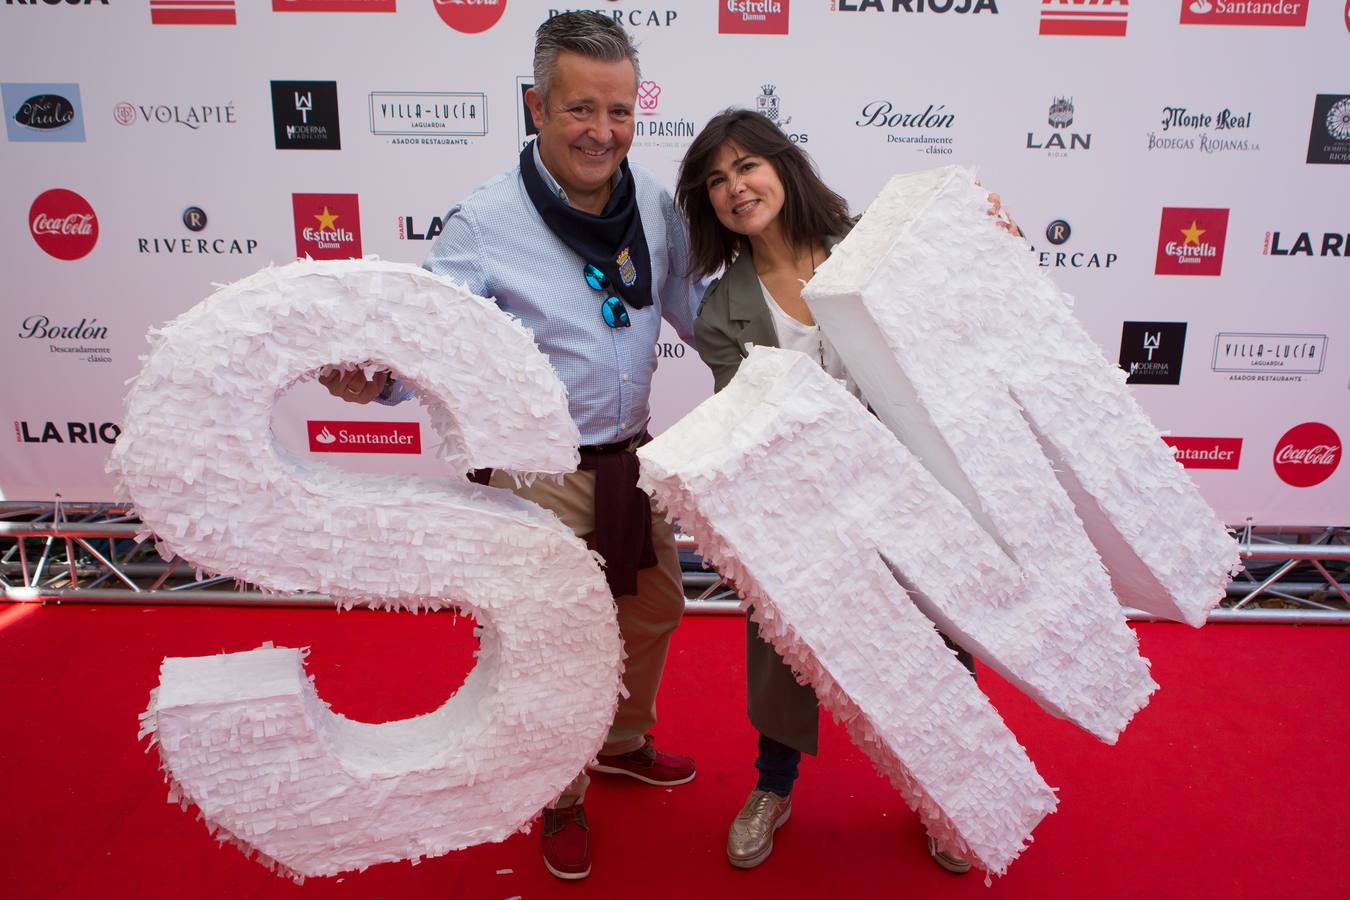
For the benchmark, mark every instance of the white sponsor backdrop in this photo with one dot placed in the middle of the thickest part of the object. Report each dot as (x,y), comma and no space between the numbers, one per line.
(179,116)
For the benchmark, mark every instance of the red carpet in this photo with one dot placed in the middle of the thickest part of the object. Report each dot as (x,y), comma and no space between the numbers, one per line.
(1231,784)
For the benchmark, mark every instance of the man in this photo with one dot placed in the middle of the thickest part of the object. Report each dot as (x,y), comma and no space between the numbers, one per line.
(589,254)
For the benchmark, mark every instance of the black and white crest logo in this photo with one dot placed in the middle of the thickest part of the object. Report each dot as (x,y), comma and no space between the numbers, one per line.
(1329,142)
(305,115)
(1150,352)
(767,104)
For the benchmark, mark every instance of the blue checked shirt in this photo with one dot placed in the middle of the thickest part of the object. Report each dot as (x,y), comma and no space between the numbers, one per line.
(497,245)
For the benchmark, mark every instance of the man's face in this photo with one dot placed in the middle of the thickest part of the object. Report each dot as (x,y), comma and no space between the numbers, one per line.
(586,127)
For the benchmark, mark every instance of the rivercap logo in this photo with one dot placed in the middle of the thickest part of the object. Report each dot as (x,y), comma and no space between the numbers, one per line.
(1057,232)
(63,224)
(327,226)
(1206,452)
(648,96)
(1307,455)
(1293,13)
(364,437)
(1191,241)
(1079,18)
(194,218)
(43,112)
(470,16)
(752,16)
(191,12)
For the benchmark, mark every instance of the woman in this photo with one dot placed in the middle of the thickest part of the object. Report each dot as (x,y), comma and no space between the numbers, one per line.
(757,208)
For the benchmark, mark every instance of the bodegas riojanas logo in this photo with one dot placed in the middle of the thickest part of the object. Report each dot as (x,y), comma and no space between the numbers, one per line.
(63,224)
(1190,241)
(1307,455)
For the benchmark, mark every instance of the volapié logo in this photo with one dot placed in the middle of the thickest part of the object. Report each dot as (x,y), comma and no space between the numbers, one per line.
(444,118)
(1151,352)
(470,16)
(335,6)
(48,112)
(916,6)
(1190,241)
(1060,141)
(364,437)
(1206,452)
(1307,454)
(82,341)
(63,224)
(1207,133)
(305,115)
(49,432)
(1329,141)
(1085,18)
(1307,243)
(194,220)
(769,104)
(191,12)
(192,116)
(1292,13)
(1255,356)
(327,226)
(1058,233)
(929,130)
(752,16)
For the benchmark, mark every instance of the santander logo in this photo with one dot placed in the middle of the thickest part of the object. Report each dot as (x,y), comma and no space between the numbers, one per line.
(364,437)
(1307,455)
(324,436)
(63,224)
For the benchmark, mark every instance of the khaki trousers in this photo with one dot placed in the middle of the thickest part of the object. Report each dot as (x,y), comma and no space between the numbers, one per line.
(646,619)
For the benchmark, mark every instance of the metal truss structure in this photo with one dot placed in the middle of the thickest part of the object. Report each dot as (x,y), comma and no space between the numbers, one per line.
(89,553)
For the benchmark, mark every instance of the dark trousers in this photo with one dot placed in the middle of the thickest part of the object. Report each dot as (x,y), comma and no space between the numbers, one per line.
(778,763)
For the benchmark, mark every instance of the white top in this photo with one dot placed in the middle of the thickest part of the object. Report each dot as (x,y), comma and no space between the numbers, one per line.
(808,339)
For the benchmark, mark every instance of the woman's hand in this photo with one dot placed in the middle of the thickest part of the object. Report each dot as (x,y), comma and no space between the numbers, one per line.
(1001,217)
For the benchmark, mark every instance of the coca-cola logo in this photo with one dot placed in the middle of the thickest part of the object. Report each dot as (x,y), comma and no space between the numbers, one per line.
(1307,455)
(63,224)
(470,16)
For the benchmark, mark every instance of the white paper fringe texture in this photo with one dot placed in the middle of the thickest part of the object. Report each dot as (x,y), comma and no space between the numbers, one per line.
(807,503)
(244,736)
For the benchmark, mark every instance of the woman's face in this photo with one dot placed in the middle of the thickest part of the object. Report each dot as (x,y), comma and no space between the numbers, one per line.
(745,191)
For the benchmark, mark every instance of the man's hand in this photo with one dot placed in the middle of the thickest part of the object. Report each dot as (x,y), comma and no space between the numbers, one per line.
(352,386)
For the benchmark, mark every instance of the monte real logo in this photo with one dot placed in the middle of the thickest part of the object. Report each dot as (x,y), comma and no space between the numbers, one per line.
(305,115)
(1190,241)
(43,112)
(193,116)
(1206,452)
(327,226)
(190,12)
(470,16)
(925,130)
(440,118)
(1080,18)
(194,219)
(1250,356)
(1293,13)
(1061,140)
(364,437)
(769,104)
(1058,234)
(63,224)
(1150,352)
(1200,131)
(85,340)
(916,6)
(66,432)
(1305,243)
(1307,454)
(1329,141)
(752,16)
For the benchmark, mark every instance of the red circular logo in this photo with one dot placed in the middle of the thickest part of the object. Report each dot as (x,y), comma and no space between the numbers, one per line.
(124,113)
(63,223)
(1307,454)
(470,16)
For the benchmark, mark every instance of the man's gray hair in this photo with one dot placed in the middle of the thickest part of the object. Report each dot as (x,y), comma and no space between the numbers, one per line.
(586,33)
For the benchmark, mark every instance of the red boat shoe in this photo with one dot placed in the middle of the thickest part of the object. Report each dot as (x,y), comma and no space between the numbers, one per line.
(567,842)
(648,764)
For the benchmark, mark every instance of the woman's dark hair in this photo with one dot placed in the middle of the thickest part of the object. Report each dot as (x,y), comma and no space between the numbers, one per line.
(811,211)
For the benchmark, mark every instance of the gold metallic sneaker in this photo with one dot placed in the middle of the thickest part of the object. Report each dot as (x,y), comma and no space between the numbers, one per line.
(750,840)
(957,865)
